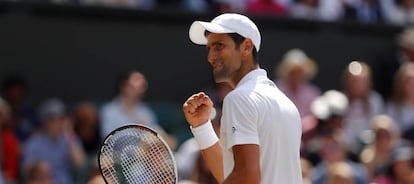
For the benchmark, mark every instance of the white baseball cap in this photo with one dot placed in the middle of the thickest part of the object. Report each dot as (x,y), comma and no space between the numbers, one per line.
(225,23)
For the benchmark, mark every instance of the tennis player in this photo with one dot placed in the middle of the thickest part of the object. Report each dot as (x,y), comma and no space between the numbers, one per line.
(260,131)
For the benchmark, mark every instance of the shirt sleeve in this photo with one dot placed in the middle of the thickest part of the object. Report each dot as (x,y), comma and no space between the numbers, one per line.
(240,120)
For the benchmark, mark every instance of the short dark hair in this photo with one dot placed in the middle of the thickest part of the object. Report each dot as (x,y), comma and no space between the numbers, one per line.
(238,39)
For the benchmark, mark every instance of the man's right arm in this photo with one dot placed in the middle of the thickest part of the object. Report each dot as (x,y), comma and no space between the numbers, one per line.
(214,159)
(197,111)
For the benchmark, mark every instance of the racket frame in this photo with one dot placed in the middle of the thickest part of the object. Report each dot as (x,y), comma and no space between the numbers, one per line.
(137,126)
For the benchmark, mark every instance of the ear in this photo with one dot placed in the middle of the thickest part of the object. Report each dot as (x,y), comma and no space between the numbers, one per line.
(247,47)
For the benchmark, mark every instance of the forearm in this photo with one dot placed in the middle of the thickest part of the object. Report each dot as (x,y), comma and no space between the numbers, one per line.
(77,155)
(241,177)
(214,159)
(246,165)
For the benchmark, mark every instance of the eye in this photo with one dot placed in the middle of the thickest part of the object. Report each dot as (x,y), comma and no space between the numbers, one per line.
(218,46)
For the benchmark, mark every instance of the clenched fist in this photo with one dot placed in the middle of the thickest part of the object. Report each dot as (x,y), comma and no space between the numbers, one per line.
(197,109)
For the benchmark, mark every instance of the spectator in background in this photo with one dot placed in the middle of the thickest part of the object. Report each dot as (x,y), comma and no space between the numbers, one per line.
(293,76)
(10,146)
(318,10)
(24,120)
(341,173)
(305,9)
(127,107)
(376,155)
(87,125)
(55,144)
(236,6)
(400,170)
(364,103)
(136,4)
(329,109)
(333,151)
(365,11)
(39,172)
(389,63)
(306,167)
(401,105)
(400,12)
(266,7)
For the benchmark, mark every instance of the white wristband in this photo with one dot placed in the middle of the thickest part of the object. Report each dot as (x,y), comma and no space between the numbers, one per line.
(205,135)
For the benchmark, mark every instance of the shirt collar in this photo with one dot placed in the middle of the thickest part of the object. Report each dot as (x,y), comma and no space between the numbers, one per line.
(252,75)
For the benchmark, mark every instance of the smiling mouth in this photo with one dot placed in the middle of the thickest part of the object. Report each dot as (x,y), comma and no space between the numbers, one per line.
(216,66)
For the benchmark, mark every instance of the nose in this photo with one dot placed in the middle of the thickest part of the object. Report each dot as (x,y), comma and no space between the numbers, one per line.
(211,57)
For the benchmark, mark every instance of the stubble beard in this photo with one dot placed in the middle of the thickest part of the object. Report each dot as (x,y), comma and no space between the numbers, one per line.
(221,74)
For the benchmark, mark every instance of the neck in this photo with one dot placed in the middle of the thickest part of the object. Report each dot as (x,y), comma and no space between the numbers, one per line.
(128,103)
(242,72)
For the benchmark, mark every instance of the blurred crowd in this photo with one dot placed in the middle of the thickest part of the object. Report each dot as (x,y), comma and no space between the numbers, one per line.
(358,134)
(394,12)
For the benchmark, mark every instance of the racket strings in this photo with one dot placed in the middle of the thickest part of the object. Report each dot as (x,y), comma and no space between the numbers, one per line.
(135,156)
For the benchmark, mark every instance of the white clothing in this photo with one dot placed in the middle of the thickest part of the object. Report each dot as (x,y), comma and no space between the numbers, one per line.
(357,120)
(396,14)
(114,116)
(403,115)
(186,158)
(257,112)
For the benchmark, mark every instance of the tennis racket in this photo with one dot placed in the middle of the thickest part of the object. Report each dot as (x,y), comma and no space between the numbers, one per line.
(135,154)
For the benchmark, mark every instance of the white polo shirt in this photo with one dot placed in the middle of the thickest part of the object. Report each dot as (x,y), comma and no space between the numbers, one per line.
(257,112)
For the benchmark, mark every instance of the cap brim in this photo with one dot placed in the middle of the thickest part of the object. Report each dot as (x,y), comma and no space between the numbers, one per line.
(198,29)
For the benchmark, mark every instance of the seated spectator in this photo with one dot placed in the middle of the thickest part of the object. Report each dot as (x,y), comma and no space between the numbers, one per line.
(329,109)
(341,173)
(10,146)
(365,11)
(236,6)
(137,4)
(198,6)
(128,107)
(364,103)
(376,155)
(400,170)
(57,146)
(324,10)
(86,125)
(293,77)
(400,12)
(401,105)
(39,172)
(334,151)
(390,62)
(23,120)
(305,9)
(266,7)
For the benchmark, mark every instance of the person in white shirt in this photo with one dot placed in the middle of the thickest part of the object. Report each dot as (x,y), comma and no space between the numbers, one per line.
(127,107)
(260,131)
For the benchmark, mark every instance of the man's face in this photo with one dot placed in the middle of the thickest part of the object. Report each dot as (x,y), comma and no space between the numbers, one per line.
(224,57)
